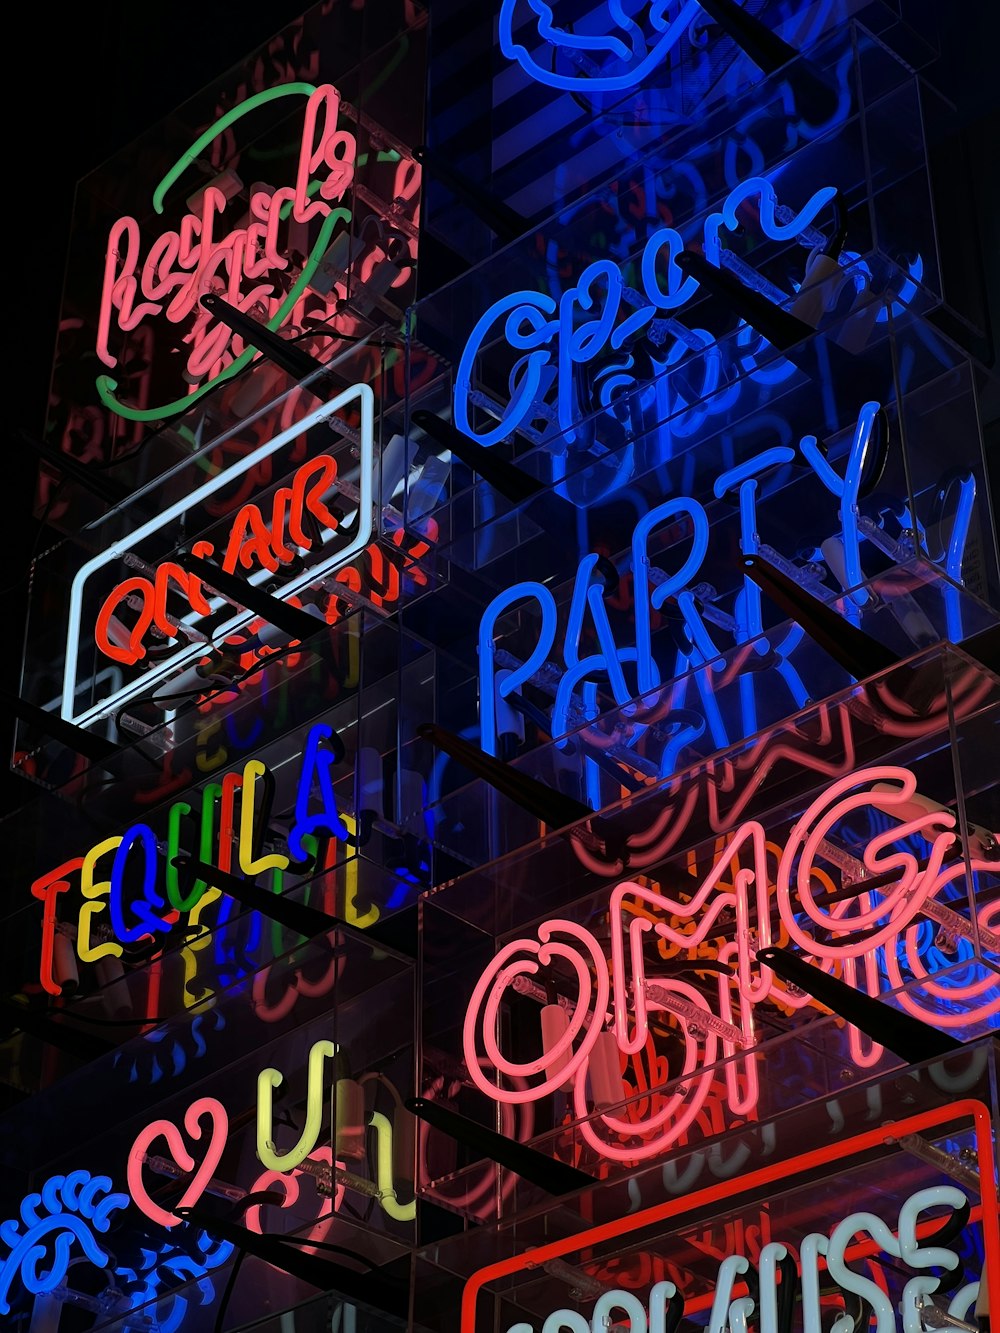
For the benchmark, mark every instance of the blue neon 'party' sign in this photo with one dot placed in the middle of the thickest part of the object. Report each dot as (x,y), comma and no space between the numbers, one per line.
(651,591)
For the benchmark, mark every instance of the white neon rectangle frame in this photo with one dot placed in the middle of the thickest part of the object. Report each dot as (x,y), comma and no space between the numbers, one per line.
(361,393)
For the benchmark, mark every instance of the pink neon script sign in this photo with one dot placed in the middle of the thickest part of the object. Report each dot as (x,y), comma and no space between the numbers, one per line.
(626,991)
(203,254)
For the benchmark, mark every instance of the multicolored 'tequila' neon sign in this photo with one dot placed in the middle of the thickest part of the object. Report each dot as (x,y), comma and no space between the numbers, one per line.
(231,824)
(581,1055)
(242,263)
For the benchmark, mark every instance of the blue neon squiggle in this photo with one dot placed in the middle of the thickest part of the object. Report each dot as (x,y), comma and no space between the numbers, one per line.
(528,326)
(316,765)
(629,59)
(75,1206)
(760,188)
(161,1269)
(847,489)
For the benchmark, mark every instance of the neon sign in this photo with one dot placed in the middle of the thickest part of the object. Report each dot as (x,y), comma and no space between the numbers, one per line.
(202,255)
(634,46)
(580,1054)
(610,62)
(283,1166)
(171,1264)
(921,1244)
(759,1184)
(268,1080)
(260,546)
(105,916)
(755,1143)
(253,544)
(67,1211)
(554,342)
(653,588)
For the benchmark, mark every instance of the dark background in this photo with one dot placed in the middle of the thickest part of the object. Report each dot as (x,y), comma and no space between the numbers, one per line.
(88,79)
(104,74)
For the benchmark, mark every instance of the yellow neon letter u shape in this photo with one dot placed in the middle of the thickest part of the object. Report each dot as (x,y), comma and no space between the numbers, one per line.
(267,1081)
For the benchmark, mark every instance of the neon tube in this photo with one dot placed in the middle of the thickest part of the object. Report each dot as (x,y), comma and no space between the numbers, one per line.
(692,920)
(757,1181)
(270,1079)
(399,1212)
(360,393)
(193,1116)
(67,1209)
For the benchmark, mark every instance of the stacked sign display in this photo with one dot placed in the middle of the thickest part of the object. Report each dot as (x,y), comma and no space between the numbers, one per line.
(514,722)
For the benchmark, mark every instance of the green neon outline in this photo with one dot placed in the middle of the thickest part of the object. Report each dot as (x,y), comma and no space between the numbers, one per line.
(244,108)
(205,851)
(106,385)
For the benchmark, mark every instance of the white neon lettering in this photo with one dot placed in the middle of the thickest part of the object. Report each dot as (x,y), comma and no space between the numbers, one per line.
(732,1311)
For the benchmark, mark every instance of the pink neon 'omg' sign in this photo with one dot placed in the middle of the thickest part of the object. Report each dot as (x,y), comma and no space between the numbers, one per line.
(608,1017)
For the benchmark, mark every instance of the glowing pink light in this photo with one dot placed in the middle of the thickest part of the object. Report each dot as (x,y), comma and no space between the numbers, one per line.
(202,255)
(298,986)
(219,1130)
(885,787)
(902,901)
(489,993)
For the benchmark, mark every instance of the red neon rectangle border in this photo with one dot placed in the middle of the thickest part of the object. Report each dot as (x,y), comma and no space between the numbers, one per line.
(976,1110)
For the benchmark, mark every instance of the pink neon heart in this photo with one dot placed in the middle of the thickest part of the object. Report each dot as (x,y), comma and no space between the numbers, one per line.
(192,1118)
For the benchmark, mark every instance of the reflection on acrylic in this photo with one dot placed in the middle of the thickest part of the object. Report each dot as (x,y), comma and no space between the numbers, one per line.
(755,893)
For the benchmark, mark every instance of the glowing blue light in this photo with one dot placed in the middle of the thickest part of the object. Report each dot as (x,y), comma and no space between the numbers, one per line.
(140,907)
(847,489)
(647,597)
(744,475)
(680,287)
(316,765)
(67,1209)
(955,556)
(226,944)
(537,658)
(628,58)
(521,306)
(526,326)
(158,1270)
(906,293)
(760,188)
